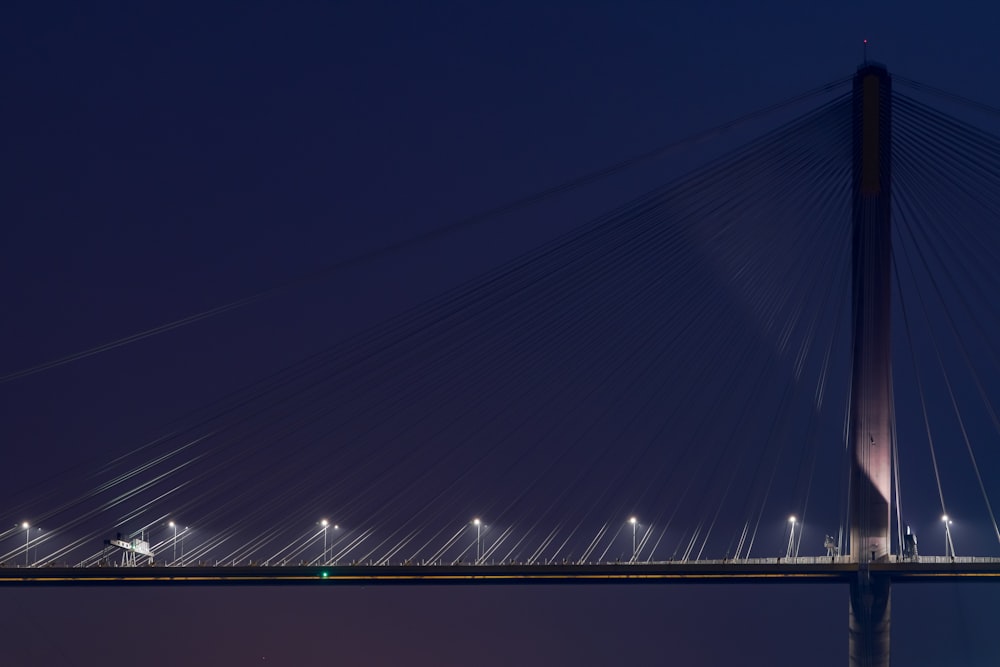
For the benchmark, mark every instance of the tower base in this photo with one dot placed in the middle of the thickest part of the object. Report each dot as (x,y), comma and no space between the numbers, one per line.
(868,624)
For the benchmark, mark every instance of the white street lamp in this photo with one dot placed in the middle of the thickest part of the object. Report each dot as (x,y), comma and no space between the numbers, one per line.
(27,533)
(324,523)
(479,528)
(790,551)
(634,522)
(174,526)
(949,546)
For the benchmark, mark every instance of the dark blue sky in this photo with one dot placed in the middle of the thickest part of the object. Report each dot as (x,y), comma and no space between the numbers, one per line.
(162,159)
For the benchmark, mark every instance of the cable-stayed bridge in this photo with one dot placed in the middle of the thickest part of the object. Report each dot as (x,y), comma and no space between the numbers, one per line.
(708,357)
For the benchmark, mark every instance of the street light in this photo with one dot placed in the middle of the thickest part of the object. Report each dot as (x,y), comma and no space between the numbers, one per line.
(949,546)
(174,526)
(479,528)
(634,522)
(27,532)
(324,523)
(791,538)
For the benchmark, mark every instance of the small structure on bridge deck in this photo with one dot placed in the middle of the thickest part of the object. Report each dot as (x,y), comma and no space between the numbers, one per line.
(830,544)
(132,550)
(910,546)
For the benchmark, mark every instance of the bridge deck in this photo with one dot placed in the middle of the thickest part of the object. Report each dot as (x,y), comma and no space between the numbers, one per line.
(798,570)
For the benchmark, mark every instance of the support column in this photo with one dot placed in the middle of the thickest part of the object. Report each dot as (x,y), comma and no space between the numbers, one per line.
(871,428)
(871,601)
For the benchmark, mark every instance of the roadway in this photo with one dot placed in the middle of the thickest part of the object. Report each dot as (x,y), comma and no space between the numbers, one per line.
(795,570)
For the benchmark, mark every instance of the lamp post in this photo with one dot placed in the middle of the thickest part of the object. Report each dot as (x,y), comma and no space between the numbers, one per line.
(174,526)
(324,523)
(790,551)
(27,533)
(479,528)
(634,522)
(949,546)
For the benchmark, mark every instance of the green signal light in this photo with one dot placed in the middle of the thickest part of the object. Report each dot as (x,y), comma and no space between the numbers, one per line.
(324,574)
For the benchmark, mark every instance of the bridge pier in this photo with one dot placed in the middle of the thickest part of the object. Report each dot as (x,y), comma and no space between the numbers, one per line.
(868,627)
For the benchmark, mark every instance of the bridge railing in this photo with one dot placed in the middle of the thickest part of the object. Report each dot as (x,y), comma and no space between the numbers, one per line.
(797,560)
(937,560)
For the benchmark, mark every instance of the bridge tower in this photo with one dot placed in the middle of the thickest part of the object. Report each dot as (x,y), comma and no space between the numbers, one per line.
(871,419)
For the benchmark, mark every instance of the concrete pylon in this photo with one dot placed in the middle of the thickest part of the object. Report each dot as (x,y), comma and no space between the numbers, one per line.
(871,428)
(868,623)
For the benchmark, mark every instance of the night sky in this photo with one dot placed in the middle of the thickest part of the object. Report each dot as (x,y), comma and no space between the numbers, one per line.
(162,160)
